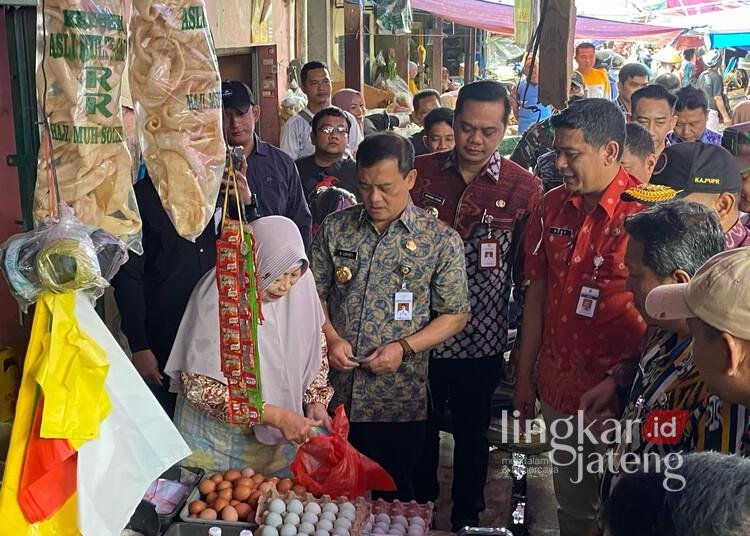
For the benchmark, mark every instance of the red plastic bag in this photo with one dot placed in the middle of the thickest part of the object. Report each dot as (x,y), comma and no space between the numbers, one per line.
(330,465)
(49,475)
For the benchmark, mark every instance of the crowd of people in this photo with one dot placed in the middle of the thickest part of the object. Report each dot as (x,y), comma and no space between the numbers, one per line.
(387,266)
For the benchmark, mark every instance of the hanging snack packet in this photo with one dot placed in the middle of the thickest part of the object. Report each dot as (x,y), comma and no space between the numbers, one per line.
(175,84)
(81,49)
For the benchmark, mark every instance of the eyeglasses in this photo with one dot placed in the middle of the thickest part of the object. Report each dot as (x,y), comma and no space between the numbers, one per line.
(328,129)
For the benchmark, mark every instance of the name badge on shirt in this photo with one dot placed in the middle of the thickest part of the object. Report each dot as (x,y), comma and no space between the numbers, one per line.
(434,198)
(560,231)
(587,300)
(403,304)
(345,253)
(489,254)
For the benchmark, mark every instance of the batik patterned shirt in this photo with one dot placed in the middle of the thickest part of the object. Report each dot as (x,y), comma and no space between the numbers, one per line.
(708,136)
(669,380)
(494,205)
(417,254)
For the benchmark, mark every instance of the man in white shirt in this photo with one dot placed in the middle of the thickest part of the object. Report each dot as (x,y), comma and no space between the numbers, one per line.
(295,135)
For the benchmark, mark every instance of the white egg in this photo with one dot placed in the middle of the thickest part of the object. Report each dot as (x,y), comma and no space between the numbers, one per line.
(400,520)
(347,506)
(331,507)
(309,517)
(325,524)
(416,530)
(344,523)
(383,525)
(330,516)
(378,530)
(400,529)
(306,528)
(295,507)
(384,518)
(416,520)
(322,533)
(395,532)
(340,531)
(291,519)
(312,507)
(348,514)
(278,506)
(269,531)
(273,519)
(288,530)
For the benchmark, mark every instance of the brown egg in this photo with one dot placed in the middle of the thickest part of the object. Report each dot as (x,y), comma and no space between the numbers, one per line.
(217,477)
(207,486)
(234,502)
(253,499)
(265,487)
(226,494)
(196,507)
(243,509)
(246,482)
(299,489)
(284,485)
(242,493)
(232,475)
(229,514)
(224,484)
(220,504)
(247,472)
(211,497)
(208,513)
(258,478)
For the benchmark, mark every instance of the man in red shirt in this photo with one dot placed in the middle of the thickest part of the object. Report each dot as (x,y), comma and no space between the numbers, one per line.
(579,319)
(487,199)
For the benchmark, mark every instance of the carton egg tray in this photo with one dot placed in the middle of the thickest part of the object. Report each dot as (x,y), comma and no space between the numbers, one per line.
(361,511)
(408,510)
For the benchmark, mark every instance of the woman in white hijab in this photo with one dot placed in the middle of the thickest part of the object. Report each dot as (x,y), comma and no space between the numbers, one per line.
(293,364)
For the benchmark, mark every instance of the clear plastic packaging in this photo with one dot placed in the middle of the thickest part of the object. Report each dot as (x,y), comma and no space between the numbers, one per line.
(59,257)
(81,51)
(175,84)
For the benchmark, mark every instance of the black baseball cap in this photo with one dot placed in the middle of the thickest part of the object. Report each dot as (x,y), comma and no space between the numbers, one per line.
(235,94)
(688,168)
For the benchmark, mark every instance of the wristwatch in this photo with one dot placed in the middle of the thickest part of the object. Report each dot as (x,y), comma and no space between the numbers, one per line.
(408,350)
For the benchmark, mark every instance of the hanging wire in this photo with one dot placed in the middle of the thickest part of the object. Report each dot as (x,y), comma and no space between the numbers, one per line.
(533,49)
(52,184)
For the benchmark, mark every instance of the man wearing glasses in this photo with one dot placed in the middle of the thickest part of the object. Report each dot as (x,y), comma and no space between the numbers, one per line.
(330,137)
(315,82)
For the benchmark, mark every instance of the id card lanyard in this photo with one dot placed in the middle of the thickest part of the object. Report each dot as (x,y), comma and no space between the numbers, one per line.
(589,295)
(403,299)
(489,248)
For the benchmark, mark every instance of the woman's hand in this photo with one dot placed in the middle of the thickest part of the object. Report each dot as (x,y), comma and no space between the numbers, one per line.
(318,412)
(294,427)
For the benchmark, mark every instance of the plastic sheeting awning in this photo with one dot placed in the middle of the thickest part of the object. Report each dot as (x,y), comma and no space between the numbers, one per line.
(498,18)
(740,39)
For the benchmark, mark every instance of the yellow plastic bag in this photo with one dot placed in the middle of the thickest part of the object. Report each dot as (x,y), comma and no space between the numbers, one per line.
(71,377)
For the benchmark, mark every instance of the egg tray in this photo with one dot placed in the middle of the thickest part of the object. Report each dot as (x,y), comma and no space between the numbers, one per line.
(361,506)
(185,515)
(173,473)
(406,509)
(187,529)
